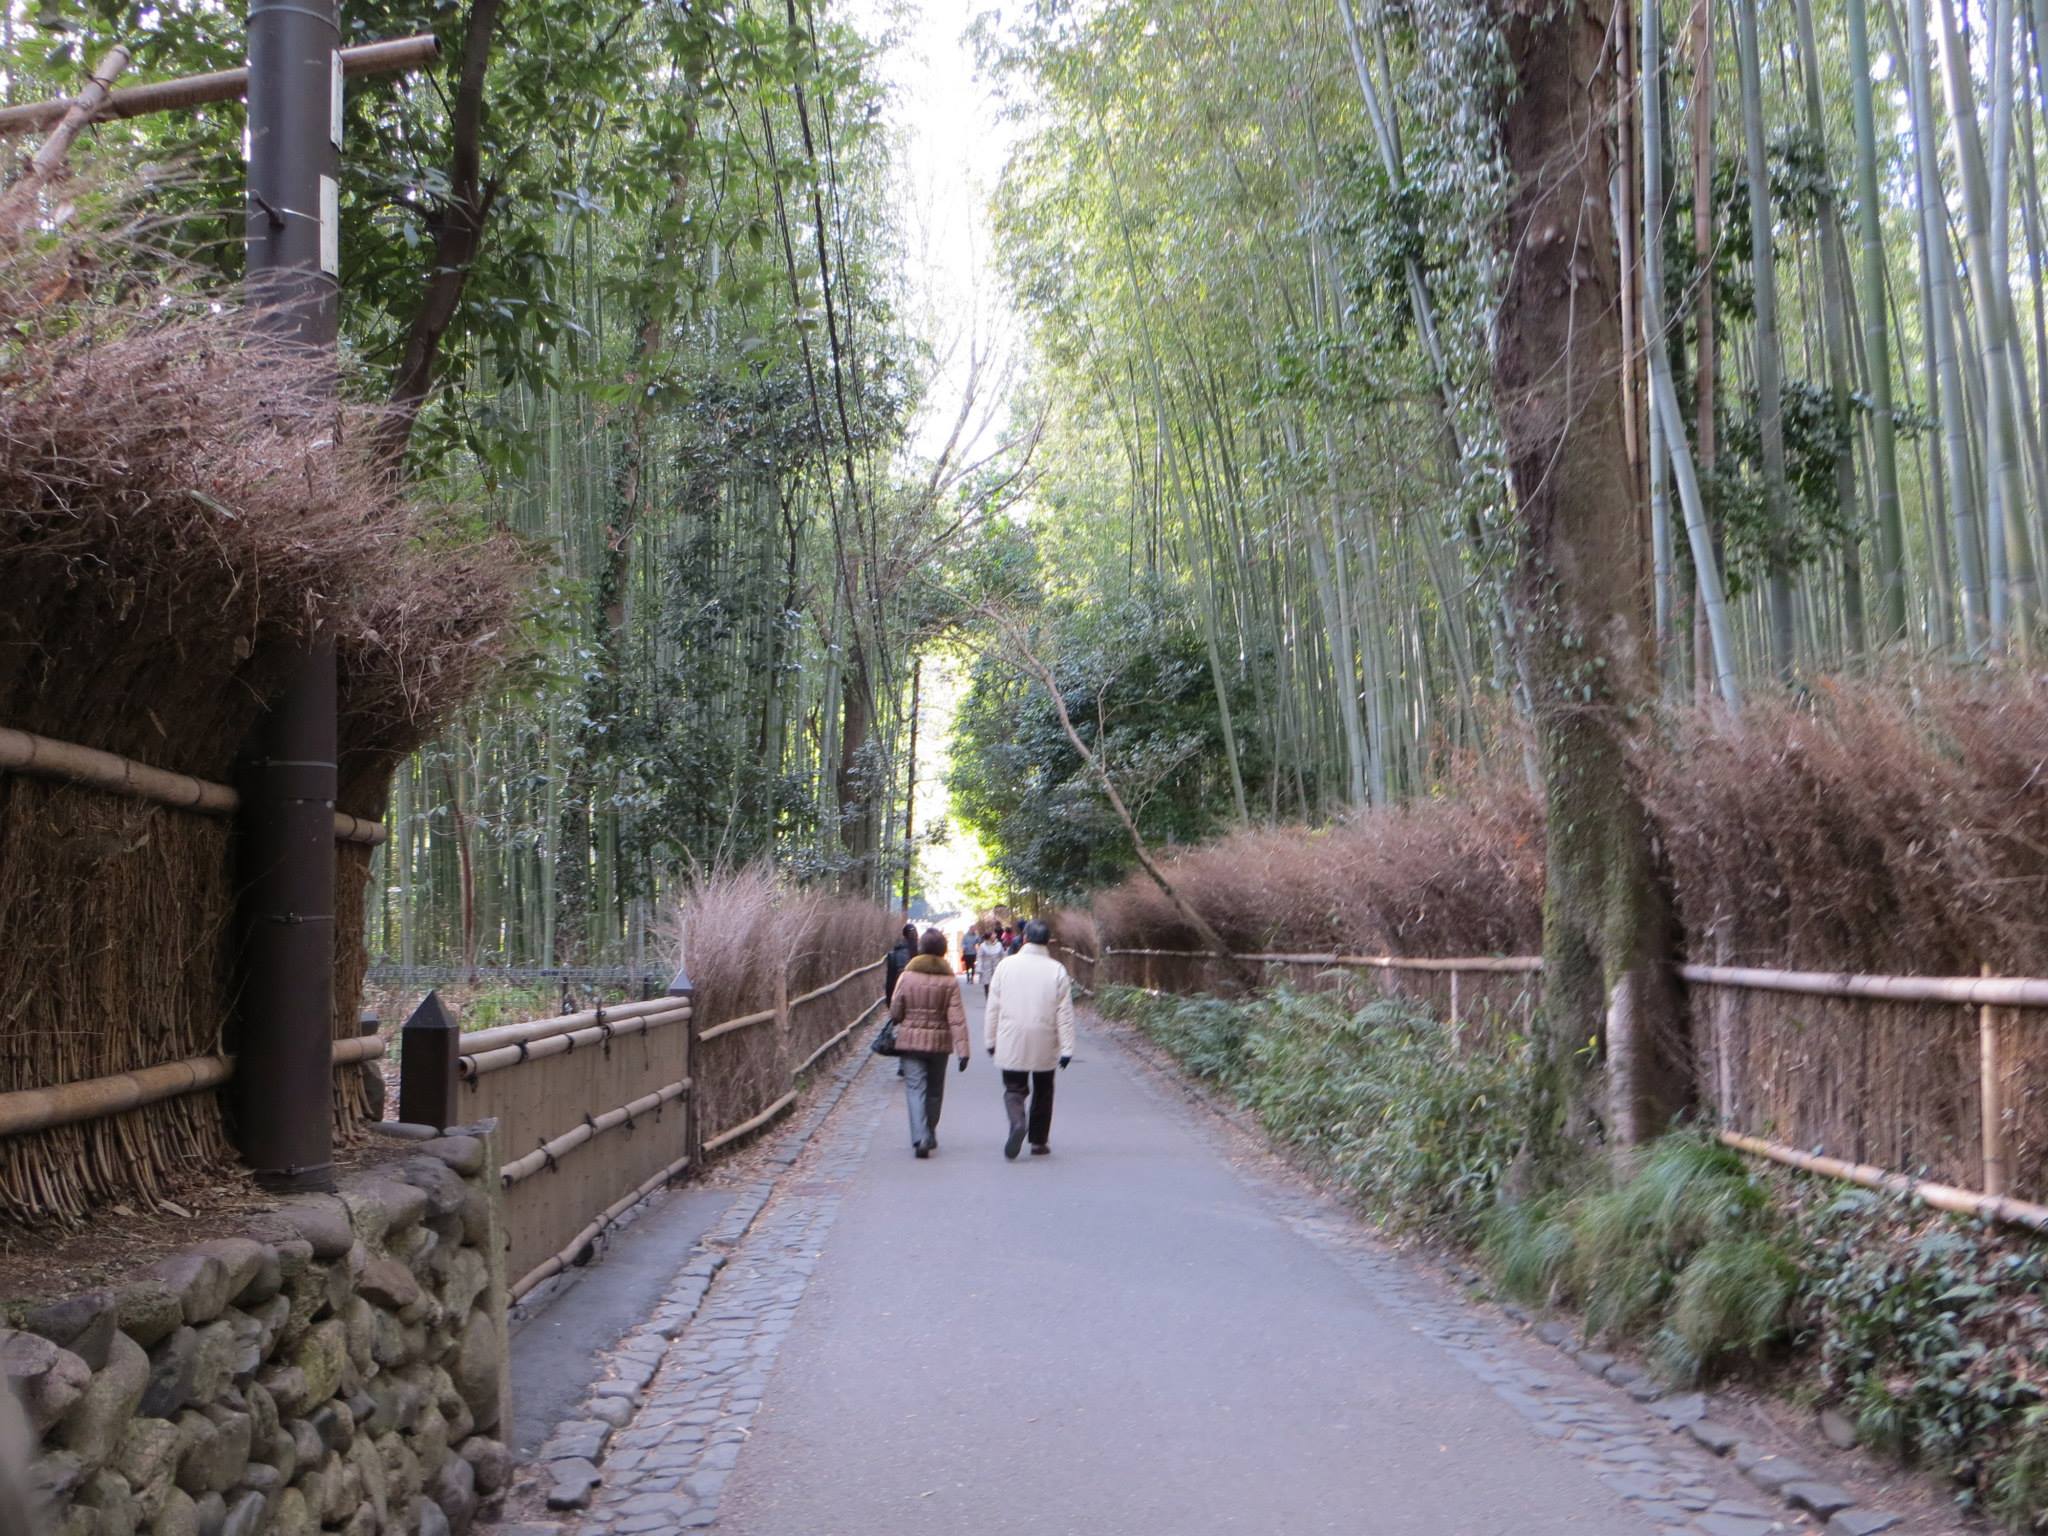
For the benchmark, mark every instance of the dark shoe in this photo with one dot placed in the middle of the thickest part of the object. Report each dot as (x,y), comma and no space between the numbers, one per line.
(921,1149)
(1040,1149)
(1015,1143)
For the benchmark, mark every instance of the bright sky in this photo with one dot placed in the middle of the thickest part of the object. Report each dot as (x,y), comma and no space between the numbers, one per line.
(953,145)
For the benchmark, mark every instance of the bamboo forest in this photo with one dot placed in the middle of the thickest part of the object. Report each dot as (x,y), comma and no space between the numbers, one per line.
(1431,610)
(1209,419)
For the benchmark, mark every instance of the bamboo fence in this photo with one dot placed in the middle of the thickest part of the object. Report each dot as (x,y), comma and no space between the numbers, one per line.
(598,1109)
(1925,1072)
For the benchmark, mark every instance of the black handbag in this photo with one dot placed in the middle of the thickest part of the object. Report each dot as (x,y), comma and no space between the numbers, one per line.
(885,1039)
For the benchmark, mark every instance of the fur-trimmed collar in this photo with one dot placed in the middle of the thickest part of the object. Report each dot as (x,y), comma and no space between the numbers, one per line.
(929,965)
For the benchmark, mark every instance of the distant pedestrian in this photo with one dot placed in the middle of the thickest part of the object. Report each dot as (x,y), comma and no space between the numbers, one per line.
(1030,1031)
(931,1024)
(1013,940)
(986,954)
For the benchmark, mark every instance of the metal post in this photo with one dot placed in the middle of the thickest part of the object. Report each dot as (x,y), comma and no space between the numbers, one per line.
(283,1088)
(428,1074)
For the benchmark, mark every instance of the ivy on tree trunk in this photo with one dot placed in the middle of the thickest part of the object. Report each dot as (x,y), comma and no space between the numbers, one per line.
(1581,584)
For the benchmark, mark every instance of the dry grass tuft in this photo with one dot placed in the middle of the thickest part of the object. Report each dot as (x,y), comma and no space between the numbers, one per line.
(748,942)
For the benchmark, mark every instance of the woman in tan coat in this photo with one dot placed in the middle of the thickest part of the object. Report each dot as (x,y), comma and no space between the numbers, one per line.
(931,1024)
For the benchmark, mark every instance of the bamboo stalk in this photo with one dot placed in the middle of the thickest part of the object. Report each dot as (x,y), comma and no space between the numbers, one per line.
(40,757)
(17,205)
(546,1153)
(724,1137)
(220,85)
(39,1109)
(1942,1197)
(475,1065)
(548,1268)
(539,1029)
(1991,1102)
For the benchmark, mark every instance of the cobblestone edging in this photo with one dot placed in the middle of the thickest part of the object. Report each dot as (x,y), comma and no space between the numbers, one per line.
(664,1425)
(1663,1453)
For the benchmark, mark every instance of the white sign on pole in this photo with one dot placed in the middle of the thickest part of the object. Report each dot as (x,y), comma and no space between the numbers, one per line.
(330,226)
(334,100)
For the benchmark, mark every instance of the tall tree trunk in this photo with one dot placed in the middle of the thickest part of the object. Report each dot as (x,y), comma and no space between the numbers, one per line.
(457,230)
(1610,935)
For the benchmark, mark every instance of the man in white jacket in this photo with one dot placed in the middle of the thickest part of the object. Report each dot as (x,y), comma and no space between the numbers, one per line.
(1029,1028)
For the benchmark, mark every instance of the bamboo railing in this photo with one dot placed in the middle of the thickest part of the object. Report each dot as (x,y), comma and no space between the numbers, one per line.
(1984,993)
(39,757)
(220,85)
(603,1107)
(39,1109)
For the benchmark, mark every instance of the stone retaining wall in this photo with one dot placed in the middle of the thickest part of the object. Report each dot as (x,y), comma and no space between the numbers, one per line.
(342,1367)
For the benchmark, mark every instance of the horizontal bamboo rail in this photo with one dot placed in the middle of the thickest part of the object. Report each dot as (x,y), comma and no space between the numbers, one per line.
(473,1066)
(40,1109)
(744,1021)
(1943,1197)
(39,757)
(220,85)
(754,1123)
(547,1152)
(834,986)
(811,1060)
(550,1267)
(482,1040)
(1971,991)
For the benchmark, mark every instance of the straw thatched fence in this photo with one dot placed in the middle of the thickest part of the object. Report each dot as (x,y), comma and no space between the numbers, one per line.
(86,1115)
(1937,1074)
(598,1109)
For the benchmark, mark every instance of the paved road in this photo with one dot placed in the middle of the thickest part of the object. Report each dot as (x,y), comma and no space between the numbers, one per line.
(1130,1336)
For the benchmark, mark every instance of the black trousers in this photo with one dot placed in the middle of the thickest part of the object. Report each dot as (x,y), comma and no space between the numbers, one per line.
(1037,1087)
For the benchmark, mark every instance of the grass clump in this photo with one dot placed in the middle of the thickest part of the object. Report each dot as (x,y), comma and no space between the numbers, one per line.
(1683,1252)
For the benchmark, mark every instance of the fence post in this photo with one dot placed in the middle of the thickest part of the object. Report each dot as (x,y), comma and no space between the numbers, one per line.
(427,1071)
(681,986)
(1992,1099)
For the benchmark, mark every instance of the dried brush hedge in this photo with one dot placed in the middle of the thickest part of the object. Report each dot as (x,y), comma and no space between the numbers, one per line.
(1892,824)
(1458,874)
(743,936)
(176,503)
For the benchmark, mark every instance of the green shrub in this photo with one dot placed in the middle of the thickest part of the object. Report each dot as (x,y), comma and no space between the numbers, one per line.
(1934,1335)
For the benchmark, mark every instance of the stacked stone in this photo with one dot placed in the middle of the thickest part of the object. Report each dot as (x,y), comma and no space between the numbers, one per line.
(342,1368)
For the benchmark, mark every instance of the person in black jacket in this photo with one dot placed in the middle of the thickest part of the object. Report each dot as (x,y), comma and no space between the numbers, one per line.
(899,956)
